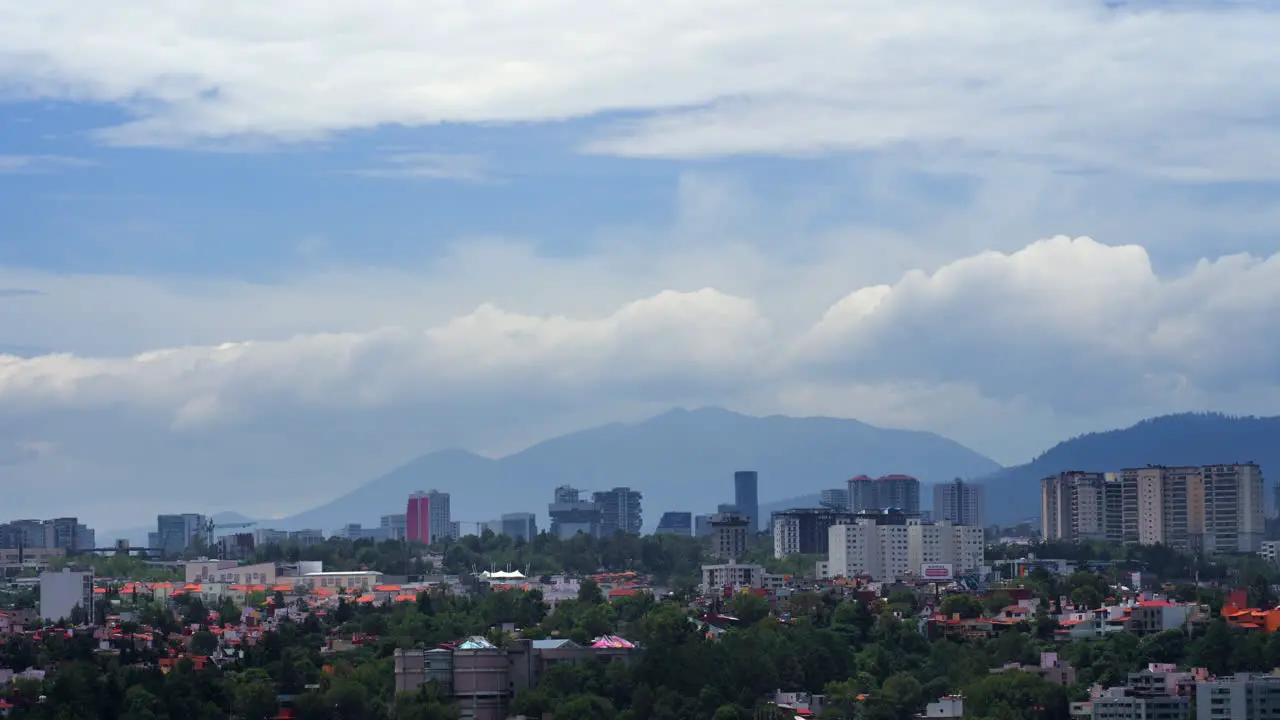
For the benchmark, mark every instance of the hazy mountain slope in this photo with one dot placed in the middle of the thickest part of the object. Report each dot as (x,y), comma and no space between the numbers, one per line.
(680,460)
(1191,439)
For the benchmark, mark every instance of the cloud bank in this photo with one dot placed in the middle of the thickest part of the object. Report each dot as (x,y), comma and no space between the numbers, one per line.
(1061,328)
(1175,90)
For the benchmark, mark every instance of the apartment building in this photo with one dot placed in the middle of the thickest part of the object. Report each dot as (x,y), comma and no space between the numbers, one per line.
(891,546)
(1215,508)
(729,536)
(804,530)
(959,502)
(1242,696)
(620,511)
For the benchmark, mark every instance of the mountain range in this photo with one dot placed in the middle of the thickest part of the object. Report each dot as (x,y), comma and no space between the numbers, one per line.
(679,460)
(685,459)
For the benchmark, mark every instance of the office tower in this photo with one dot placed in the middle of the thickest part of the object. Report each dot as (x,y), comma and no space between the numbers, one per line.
(804,530)
(958,502)
(176,533)
(417,519)
(396,526)
(520,526)
(835,499)
(86,538)
(619,511)
(675,523)
(729,536)
(702,525)
(899,491)
(862,494)
(891,546)
(427,517)
(61,533)
(746,497)
(571,515)
(22,533)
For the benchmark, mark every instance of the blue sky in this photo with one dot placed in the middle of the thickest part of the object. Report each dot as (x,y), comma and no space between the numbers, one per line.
(446,225)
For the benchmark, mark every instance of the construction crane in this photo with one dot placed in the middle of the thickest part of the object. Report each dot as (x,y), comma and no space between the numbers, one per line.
(210,527)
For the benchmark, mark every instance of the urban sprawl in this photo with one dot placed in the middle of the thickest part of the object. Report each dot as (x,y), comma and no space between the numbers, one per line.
(1140,593)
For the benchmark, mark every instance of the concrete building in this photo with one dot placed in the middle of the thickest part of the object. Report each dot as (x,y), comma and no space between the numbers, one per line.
(746,497)
(1242,696)
(888,491)
(734,576)
(1123,704)
(804,530)
(1212,509)
(229,572)
(620,511)
(520,526)
(862,494)
(728,536)
(176,533)
(62,592)
(702,525)
(571,515)
(946,707)
(396,526)
(676,523)
(306,537)
(892,546)
(959,502)
(356,531)
(835,499)
(427,517)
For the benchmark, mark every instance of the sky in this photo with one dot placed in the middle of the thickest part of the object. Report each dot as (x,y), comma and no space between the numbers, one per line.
(254,254)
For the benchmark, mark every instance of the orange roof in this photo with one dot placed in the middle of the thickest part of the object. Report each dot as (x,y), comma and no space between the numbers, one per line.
(624,592)
(321,591)
(406,598)
(282,588)
(365,599)
(191,586)
(387,588)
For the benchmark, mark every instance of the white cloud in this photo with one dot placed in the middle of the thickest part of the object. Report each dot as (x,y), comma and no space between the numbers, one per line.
(430,166)
(1179,91)
(39,164)
(1055,338)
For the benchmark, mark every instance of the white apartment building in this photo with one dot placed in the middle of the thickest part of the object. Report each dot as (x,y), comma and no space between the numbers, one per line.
(888,552)
(62,592)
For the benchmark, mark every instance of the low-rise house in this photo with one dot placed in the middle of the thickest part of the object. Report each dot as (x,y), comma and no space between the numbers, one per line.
(1051,668)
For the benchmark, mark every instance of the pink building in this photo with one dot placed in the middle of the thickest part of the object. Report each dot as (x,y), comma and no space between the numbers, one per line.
(417,518)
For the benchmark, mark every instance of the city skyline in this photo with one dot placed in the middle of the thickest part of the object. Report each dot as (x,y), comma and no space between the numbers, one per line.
(281,253)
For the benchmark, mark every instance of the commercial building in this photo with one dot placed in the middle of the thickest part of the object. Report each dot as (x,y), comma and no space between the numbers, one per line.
(427,517)
(571,515)
(1212,509)
(733,576)
(746,497)
(1243,696)
(728,536)
(396,526)
(176,533)
(676,523)
(891,546)
(619,511)
(520,526)
(1124,704)
(804,530)
(889,491)
(62,592)
(66,533)
(702,525)
(959,502)
(356,531)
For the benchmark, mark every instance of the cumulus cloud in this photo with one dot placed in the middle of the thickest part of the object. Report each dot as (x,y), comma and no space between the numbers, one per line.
(39,164)
(1064,330)
(1149,88)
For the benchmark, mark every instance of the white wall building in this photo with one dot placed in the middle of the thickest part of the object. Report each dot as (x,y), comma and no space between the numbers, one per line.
(889,552)
(230,572)
(732,575)
(62,592)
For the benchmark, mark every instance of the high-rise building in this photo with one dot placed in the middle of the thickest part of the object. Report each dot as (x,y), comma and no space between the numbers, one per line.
(1243,696)
(804,530)
(729,536)
(746,496)
(520,526)
(619,511)
(176,533)
(862,494)
(427,517)
(835,499)
(61,533)
(892,546)
(571,515)
(442,525)
(676,523)
(959,502)
(1212,508)
(899,491)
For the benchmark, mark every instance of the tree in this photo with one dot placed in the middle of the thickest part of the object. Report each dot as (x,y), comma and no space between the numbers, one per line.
(749,607)
(256,697)
(966,606)
(589,592)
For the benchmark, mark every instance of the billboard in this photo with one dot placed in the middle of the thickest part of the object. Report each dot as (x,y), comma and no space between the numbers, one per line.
(937,572)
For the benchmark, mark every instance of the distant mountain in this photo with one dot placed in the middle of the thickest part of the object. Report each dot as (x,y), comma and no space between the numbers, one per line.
(1013,494)
(680,460)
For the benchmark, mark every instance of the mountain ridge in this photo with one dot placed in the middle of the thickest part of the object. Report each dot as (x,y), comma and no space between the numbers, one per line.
(681,459)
